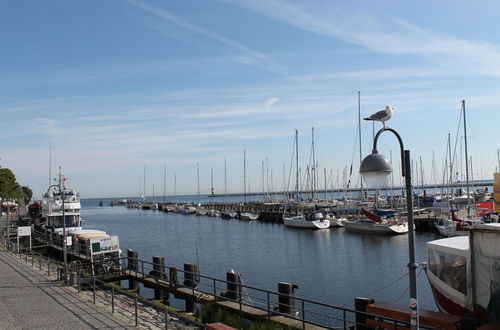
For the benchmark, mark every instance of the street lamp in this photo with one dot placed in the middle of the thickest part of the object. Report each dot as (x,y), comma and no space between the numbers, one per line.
(375,169)
(60,187)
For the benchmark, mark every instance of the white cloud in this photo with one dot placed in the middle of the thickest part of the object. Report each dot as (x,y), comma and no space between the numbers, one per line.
(382,34)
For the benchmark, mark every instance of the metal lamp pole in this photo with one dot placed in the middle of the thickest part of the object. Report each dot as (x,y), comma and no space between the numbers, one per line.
(412,266)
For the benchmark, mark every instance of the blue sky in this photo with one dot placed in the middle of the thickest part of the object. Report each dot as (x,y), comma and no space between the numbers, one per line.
(114,86)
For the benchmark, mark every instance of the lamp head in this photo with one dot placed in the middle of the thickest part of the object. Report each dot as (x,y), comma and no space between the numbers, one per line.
(375,169)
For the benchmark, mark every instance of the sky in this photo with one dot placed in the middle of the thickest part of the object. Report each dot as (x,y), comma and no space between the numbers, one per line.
(111,89)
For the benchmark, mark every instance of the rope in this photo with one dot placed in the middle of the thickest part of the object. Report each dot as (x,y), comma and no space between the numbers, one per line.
(408,288)
(388,285)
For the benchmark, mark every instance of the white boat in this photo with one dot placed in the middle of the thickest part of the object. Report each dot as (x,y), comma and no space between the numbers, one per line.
(374,224)
(457,227)
(335,222)
(188,209)
(311,221)
(367,226)
(153,206)
(52,205)
(200,210)
(249,216)
(464,273)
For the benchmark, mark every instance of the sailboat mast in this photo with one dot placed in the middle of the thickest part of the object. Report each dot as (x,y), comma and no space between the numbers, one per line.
(451,162)
(245,175)
(359,136)
(144,186)
(50,165)
(466,158)
(313,168)
(225,178)
(198,176)
(297,162)
(164,182)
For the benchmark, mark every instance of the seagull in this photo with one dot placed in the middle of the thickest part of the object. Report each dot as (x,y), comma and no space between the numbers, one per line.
(382,115)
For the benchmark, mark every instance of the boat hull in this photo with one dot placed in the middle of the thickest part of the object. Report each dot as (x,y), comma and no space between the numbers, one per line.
(300,222)
(375,228)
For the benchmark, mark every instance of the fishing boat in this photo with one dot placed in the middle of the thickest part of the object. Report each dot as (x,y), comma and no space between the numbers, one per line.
(464,273)
(370,223)
(310,220)
(249,216)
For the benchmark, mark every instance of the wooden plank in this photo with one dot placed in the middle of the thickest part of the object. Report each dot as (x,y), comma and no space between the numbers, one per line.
(247,310)
(402,313)
(384,325)
(294,323)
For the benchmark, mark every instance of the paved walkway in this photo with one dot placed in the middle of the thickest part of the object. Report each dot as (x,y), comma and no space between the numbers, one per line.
(29,300)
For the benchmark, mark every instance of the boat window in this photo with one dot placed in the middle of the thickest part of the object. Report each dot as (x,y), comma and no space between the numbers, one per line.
(449,268)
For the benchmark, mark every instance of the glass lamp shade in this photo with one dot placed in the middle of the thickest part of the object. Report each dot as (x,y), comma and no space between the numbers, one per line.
(376,179)
(375,169)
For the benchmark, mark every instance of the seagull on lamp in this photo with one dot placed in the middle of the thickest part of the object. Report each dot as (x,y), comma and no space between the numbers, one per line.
(382,115)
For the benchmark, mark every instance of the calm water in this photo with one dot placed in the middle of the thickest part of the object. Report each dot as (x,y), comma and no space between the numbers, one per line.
(331,266)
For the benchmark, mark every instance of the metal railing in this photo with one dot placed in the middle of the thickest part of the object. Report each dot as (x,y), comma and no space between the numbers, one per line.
(305,312)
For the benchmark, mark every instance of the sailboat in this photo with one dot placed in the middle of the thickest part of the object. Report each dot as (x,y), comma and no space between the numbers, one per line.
(314,220)
(460,226)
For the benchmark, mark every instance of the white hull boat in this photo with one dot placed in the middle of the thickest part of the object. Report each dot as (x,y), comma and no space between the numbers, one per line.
(311,221)
(464,275)
(247,216)
(371,227)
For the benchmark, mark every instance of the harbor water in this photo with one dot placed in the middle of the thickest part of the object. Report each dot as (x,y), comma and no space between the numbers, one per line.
(331,266)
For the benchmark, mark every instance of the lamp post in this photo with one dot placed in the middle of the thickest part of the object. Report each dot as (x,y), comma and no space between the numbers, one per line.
(375,169)
(60,187)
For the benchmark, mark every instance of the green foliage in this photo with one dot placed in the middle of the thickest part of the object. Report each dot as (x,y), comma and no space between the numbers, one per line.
(211,313)
(27,194)
(9,188)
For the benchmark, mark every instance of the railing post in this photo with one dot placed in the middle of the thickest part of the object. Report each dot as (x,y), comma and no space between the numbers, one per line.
(79,283)
(32,257)
(48,266)
(40,261)
(112,298)
(166,318)
(136,316)
(303,314)
(93,282)
(215,290)
(268,305)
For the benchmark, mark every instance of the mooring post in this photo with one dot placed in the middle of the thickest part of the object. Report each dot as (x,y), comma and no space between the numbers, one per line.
(190,280)
(360,305)
(286,297)
(233,285)
(132,257)
(172,274)
(112,298)
(166,318)
(159,273)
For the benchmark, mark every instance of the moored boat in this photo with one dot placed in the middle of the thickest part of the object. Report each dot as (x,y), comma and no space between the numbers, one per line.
(247,216)
(374,224)
(310,220)
(464,273)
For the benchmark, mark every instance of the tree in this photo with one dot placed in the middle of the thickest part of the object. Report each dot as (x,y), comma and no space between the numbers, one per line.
(9,188)
(27,194)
